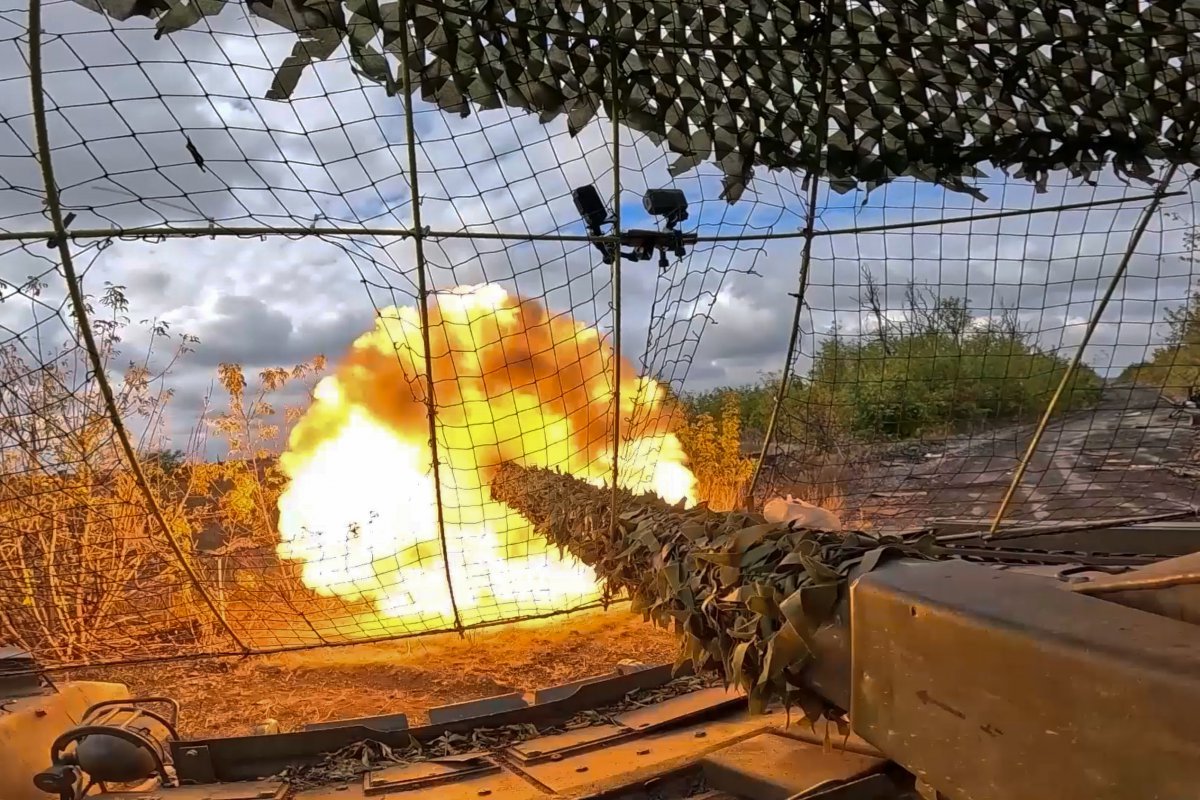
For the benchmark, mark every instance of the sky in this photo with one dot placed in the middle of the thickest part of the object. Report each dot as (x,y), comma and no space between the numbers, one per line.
(123,107)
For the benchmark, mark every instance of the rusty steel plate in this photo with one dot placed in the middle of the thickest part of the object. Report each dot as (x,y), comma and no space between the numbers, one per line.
(498,785)
(1049,693)
(406,777)
(774,767)
(647,756)
(243,790)
(684,708)
(560,744)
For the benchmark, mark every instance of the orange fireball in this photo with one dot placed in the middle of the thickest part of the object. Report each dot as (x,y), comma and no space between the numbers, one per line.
(512,382)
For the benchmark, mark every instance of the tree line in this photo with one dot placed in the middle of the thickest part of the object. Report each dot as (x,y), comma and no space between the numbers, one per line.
(932,368)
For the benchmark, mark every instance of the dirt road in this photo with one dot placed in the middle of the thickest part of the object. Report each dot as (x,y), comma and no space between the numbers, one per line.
(1125,457)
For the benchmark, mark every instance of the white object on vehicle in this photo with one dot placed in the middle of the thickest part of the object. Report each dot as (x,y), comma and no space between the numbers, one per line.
(805,515)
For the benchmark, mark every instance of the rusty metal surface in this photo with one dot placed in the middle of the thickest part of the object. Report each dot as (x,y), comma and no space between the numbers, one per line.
(557,745)
(773,767)
(249,757)
(1179,571)
(549,694)
(427,773)
(1165,539)
(381,722)
(878,786)
(1176,602)
(501,785)
(802,732)
(695,705)
(1170,588)
(247,790)
(651,755)
(992,685)
(475,709)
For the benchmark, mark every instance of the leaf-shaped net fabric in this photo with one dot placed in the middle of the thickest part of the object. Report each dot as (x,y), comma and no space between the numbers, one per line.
(283,285)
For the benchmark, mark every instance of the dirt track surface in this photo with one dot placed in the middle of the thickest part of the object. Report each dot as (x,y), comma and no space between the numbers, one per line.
(1126,457)
(229,696)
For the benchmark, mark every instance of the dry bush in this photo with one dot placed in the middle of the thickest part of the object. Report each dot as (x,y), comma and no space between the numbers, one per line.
(713,447)
(86,572)
(81,561)
(235,502)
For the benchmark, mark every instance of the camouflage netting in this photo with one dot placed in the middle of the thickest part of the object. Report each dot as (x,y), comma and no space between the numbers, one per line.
(745,596)
(929,90)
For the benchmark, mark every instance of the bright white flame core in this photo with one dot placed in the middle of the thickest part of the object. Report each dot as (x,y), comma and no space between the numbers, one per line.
(511,383)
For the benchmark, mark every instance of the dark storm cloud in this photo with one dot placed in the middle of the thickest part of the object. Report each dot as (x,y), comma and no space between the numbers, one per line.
(246,330)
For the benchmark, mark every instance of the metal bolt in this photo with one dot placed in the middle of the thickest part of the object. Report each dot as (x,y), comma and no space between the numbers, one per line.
(556,757)
(643,752)
(700,734)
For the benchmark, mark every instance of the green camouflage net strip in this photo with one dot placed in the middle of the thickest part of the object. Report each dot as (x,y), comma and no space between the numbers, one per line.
(929,90)
(745,596)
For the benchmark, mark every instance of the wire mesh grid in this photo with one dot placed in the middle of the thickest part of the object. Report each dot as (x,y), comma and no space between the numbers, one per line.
(908,332)
(925,363)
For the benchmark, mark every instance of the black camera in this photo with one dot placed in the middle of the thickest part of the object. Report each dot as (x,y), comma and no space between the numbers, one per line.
(591,208)
(670,204)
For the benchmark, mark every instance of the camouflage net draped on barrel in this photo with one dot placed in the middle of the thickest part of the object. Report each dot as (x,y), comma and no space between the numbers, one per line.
(745,596)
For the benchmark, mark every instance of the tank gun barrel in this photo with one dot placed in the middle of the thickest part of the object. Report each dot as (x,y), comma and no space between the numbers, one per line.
(749,598)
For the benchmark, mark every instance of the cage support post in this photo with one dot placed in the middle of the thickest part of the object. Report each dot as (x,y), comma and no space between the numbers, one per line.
(813,180)
(79,307)
(1073,367)
(423,303)
(615,65)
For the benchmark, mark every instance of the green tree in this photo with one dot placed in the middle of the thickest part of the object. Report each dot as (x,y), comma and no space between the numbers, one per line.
(168,460)
(1175,366)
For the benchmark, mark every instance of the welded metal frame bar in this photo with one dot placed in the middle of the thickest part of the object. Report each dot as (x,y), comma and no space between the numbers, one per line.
(418,237)
(59,240)
(1073,367)
(247,231)
(615,64)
